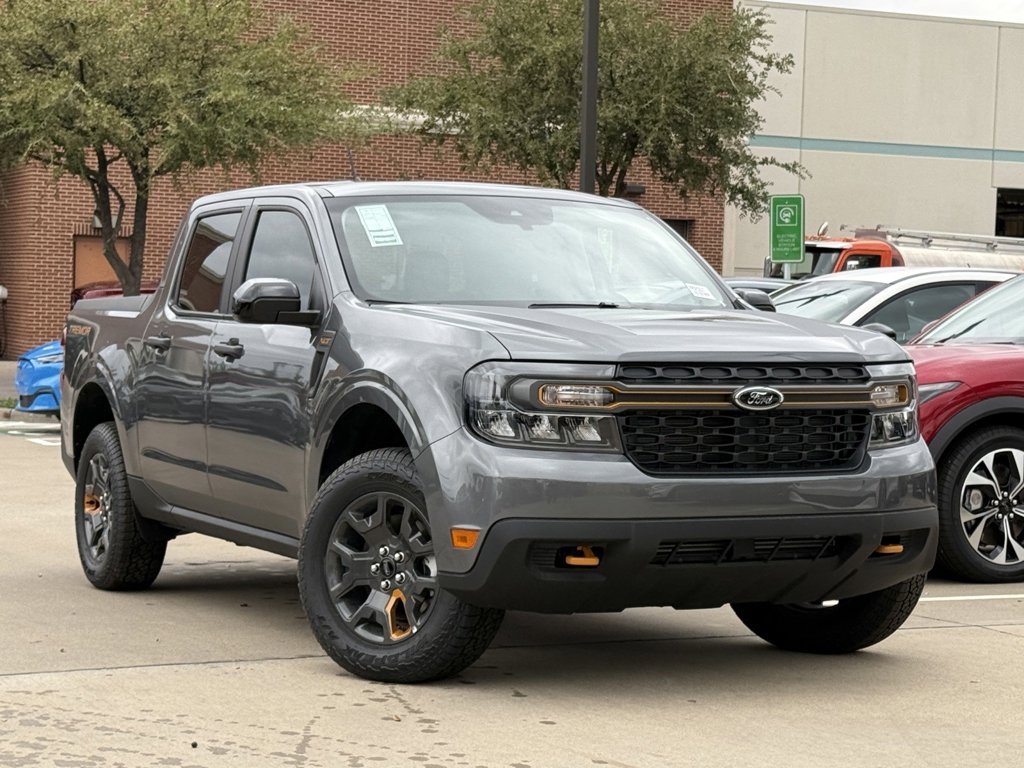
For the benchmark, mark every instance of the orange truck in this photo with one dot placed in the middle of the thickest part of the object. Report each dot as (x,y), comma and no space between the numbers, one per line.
(881,247)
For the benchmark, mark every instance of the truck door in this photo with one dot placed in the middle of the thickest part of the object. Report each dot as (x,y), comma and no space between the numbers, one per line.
(170,391)
(258,418)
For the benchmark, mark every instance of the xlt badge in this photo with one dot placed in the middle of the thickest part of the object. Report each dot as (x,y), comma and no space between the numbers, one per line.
(757,398)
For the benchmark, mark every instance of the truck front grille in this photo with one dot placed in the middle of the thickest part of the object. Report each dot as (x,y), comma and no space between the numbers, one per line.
(686,442)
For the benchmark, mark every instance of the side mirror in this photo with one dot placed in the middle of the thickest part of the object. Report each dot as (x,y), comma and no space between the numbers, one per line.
(756,298)
(881,328)
(263,299)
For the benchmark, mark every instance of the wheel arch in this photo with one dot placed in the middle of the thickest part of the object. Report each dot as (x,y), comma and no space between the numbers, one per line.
(995,412)
(367,415)
(93,406)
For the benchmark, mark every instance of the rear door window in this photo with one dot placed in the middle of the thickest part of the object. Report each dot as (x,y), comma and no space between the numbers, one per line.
(204,273)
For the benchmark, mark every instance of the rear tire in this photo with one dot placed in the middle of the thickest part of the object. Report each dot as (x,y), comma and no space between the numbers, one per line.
(368,579)
(113,552)
(853,624)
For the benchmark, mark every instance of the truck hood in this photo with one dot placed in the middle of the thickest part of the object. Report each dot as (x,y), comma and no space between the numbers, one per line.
(611,335)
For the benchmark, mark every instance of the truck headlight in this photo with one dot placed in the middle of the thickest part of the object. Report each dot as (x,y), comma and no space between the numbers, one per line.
(895,403)
(507,404)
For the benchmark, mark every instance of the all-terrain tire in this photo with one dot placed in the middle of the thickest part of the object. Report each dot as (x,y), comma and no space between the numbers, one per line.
(957,555)
(113,552)
(372,503)
(853,624)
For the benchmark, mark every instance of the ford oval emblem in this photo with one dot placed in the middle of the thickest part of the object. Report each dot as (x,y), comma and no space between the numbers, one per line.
(757,398)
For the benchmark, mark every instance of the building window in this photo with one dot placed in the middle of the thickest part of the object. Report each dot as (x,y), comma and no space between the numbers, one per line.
(682,227)
(1010,213)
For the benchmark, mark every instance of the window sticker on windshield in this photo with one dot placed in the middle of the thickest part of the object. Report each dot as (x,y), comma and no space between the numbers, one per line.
(379,226)
(700,291)
(604,242)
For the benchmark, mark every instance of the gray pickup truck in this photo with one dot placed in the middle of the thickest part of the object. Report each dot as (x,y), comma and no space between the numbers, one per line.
(448,400)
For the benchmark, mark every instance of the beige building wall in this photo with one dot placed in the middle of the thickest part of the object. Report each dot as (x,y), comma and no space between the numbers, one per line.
(904,121)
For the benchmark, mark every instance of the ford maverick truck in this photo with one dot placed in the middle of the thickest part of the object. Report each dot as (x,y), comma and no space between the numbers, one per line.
(449,400)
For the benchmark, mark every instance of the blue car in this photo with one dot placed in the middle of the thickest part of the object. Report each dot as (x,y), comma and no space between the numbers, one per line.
(38,379)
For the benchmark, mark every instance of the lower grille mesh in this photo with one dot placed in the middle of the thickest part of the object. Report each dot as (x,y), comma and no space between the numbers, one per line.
(714,551)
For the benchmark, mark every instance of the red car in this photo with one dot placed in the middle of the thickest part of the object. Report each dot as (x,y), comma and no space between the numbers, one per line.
(970,369)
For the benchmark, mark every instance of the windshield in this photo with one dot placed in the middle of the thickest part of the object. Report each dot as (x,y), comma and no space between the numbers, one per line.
(995,316)
(523,251)
(828,300)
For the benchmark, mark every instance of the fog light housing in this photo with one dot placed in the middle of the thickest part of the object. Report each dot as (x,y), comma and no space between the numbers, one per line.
(893,427)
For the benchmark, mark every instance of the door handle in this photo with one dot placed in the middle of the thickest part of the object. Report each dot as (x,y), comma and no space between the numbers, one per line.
(159,343)
(230,351)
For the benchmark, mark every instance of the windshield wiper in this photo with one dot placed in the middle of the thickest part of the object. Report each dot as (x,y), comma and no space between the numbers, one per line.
(804,301)
(574,305)
(958,334)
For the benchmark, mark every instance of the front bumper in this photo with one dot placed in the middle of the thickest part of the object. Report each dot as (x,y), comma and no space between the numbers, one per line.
(700,563)
(38,387)
(531,505)
(40,401)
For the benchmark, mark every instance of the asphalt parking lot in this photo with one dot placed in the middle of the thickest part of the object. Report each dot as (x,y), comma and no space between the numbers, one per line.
(216,666)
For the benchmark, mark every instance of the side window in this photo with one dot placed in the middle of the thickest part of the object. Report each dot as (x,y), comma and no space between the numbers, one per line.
(865,261)
(281,248)
(206,263)
(909,313)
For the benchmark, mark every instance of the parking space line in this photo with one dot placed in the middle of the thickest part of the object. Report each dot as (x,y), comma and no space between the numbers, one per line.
(959,598)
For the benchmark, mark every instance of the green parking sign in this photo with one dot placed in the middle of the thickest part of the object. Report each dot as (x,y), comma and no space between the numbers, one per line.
(787,228)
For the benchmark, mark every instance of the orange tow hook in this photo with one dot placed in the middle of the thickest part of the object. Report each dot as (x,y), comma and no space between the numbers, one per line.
(584,556)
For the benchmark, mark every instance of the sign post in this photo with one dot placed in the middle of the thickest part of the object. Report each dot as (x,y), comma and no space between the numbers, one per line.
(787,230)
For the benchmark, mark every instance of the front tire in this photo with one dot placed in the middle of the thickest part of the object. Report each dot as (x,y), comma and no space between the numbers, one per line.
(852,624)
(981,506)
(113,552)
(368,578)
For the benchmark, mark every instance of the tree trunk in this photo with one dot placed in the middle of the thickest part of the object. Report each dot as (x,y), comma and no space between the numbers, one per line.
(110,223)
(620,180)
(138,247)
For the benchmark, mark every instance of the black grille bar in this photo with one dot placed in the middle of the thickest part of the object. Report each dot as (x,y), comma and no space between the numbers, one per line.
(742,374)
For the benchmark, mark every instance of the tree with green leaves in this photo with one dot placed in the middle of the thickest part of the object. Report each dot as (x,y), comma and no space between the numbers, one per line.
(681,100)
(122,92)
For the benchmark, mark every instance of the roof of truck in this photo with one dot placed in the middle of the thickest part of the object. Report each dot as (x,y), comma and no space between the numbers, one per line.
(329,189)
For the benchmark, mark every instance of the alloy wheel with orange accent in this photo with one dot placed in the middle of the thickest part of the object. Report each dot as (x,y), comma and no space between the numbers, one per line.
(96,504)
(368,577)
(380,567)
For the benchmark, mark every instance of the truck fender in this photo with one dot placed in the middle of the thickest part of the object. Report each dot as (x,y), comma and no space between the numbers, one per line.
(338,396)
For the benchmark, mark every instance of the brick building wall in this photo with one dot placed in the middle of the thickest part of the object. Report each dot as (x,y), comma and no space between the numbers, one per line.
(392,39)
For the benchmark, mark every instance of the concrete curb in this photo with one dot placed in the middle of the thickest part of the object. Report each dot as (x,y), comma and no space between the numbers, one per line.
(9,414)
